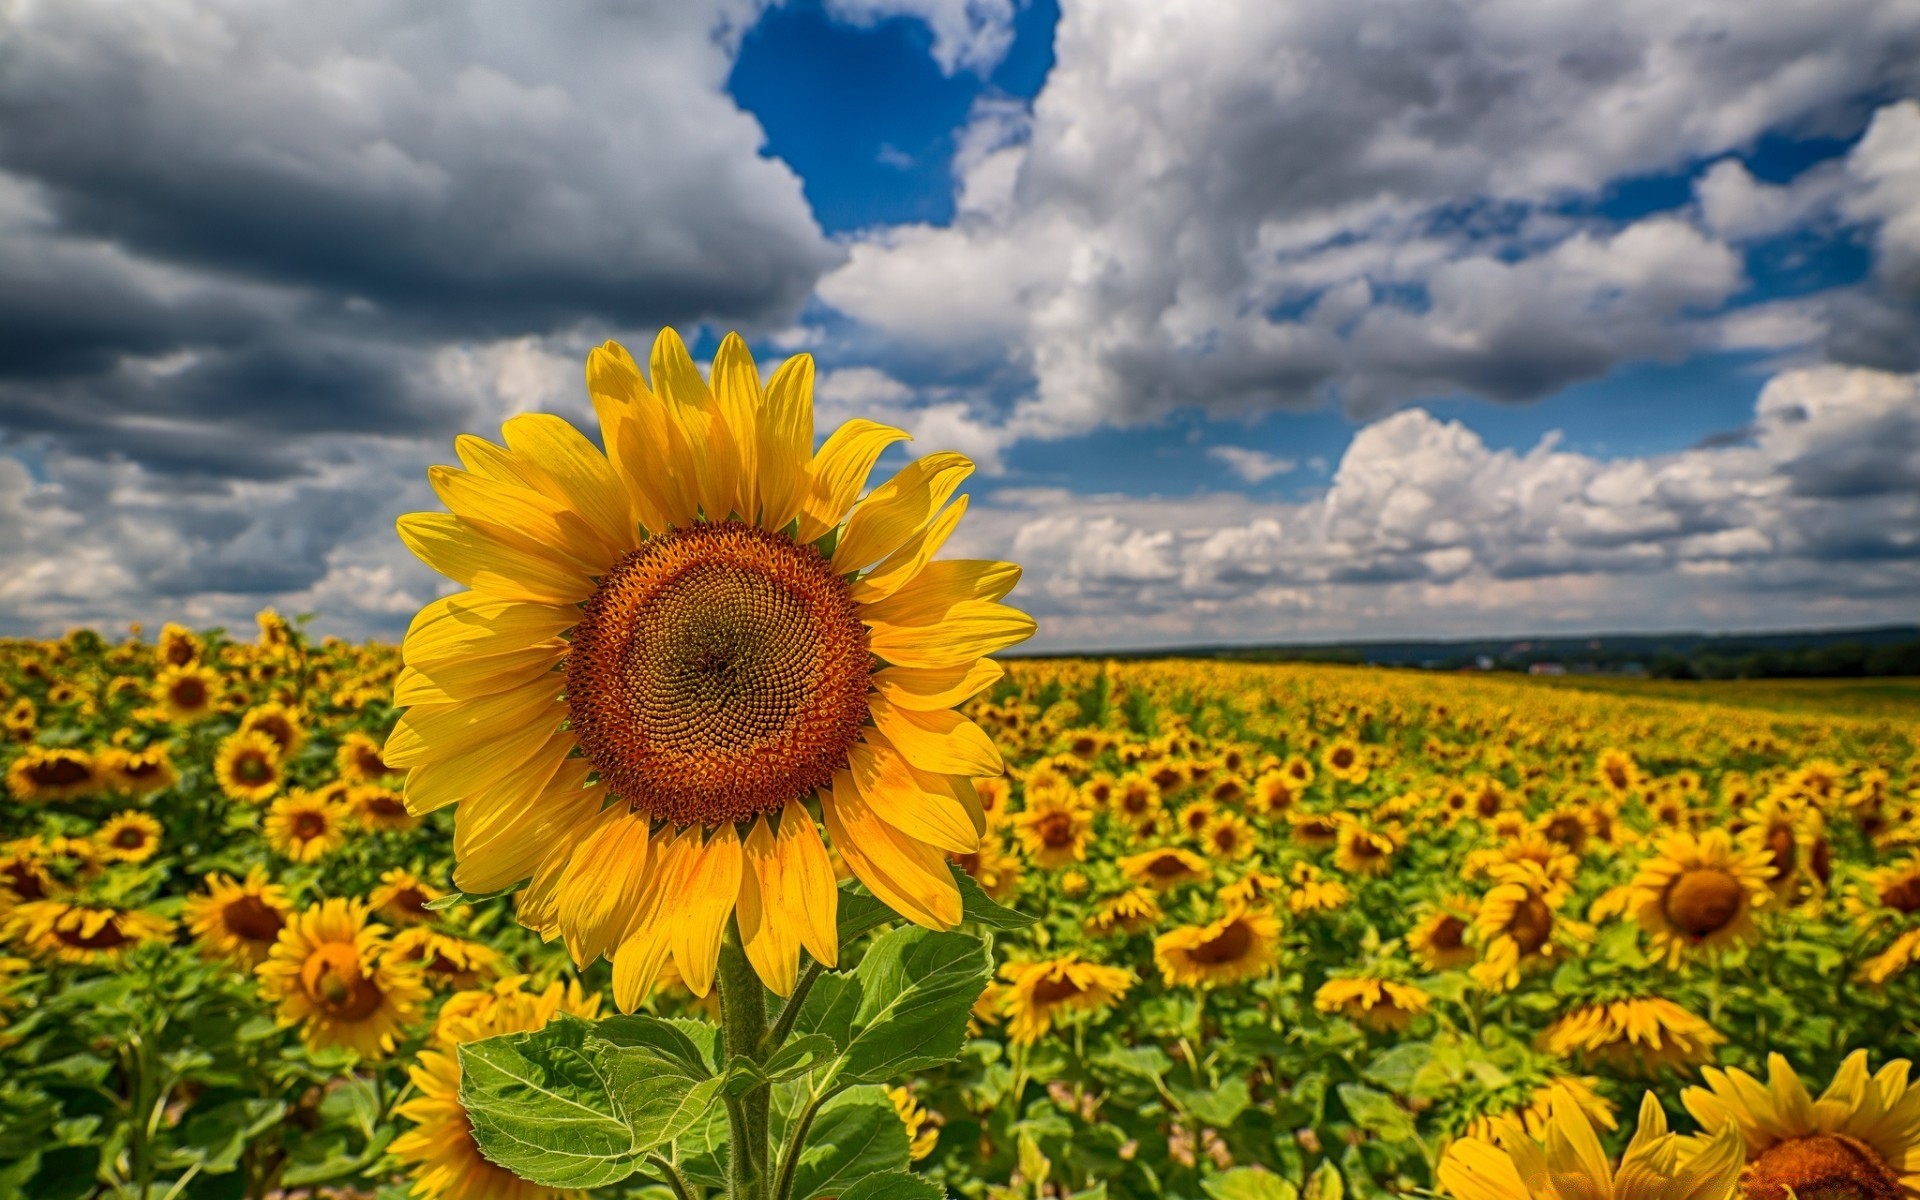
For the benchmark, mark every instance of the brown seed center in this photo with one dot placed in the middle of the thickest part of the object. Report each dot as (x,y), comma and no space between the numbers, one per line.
(1229,945)
(1821,1167)
(718,672)
(1903,893)
(252,919)
(1704,901)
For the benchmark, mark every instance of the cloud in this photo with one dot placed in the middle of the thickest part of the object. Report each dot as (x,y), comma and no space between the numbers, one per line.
(1254,466)
(1257,206)
(970,35)
(1425,530)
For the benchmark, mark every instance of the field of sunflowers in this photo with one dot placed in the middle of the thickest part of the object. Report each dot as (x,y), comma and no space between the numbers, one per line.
(1288,931)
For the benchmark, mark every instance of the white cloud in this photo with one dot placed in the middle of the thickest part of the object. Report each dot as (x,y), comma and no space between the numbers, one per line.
(1254,466)
(972,35)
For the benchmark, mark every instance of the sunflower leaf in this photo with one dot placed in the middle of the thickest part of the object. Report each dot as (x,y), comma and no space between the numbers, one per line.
(893,1185)
(904,1008)
(461,899)
(854,1135)
(978,907)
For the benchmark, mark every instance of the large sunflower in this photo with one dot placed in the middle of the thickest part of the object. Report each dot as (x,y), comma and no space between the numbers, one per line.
(1573,1165)
(1859,1141)
(672,653)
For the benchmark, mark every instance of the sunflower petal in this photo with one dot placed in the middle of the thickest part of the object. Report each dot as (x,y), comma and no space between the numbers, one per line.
(906,874)
(466,553)
(736,396)
(939,740)
(942,586)
(970,630)
(898,508)
(642,444)
(899,568)
(903,798)
(944,687)
(602,883)
(767,931)
(840,470)
(785,442)
(697,911)
(569,469)
(690,406)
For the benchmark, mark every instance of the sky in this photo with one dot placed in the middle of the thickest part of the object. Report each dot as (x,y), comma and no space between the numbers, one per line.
(1264,320)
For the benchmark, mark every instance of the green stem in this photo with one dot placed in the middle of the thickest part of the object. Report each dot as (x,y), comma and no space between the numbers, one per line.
(682,1190)
(790,1011)
(743,1024)
(796,1142)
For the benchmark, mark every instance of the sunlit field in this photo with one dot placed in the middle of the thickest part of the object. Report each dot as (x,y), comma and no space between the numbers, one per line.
(1293,929)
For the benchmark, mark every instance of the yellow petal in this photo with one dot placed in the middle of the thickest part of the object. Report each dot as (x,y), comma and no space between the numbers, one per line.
(519,516)
(736,397)
(814,891)
(902,798)
(939,740)
(785,442)
(469,679)
(482,457)
(690,406)
(1473,1170)
(467,554)
(637,964)
(645,448)
(899,507)
(500,836)
(469,625)
(767,932)
(840,470)
(563,465)
(906,874)
(971,630)
(898,568)
(696,911)
(944,687)
(437,732)
(942,586)
(437,784)
(602,884)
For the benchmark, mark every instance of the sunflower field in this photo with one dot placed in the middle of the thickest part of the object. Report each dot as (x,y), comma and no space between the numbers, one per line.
(1233,931)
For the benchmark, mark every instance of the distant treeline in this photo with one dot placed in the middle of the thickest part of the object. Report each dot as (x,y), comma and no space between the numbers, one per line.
(1842,660)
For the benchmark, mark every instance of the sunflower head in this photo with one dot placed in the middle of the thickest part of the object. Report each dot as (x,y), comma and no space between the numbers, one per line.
(1242,944)
(238,920)
(130,837)
(249,766)
(329,972)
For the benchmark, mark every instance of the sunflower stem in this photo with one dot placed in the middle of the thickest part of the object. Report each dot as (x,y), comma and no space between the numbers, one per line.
(743,1023)
(790,1011)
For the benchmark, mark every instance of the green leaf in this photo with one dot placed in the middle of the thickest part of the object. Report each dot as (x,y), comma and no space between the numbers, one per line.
(564,1108)
(1145,1062)
(668,1038)
(859,912)
(218,1137)
(978,907)
(1220,1107)
(904,1008)
(1376,1113)
(1249,1183)
(894,1185)
(1325,1183)
(459,899)
(1398,1068)
(854,1135)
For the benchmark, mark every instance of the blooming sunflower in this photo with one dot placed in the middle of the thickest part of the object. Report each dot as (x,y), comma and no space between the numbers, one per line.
(996,871)
(1572,1165)
(1054,827)
(446,1164)
(443,961)
(1889,893)
(1037,993)
(1129,912)
(84,933)
(1344,761)
(1165,868)
(45,774)
(1314,830)
(247,766)
(379,808)
(1136,800)
(188,693)
(238,920)
(1365,849)
(138,772)
(1274,794)
(1312,891)
(678,640)
(130,837)
(1243,944)
(1519,925)
(1638,1035)
(278,722)
(402,897)
(358,759)
(1439,939)
(1379,1004)
(329,974)
(1228,837)
(304,827)
(1537,1112)
(1617,772)
(923,1132)
(1697,893)
(1859,1141)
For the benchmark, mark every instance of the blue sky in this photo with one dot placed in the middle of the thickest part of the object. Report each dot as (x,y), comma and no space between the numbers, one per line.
(1290,321)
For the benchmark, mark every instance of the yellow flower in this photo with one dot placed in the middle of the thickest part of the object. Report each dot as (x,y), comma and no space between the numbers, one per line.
(1895,960)
(923,1133)
(1536,1114)
(402,897)
(1344,761)
(1617,772)
(1228,837)
(247,766)
(177,646)
(1314,830)
(358,759)
(699,566)
(1379,1004)
(1241,945)
(1572,1165)
(279,723)
(238,920)
(996,871)
(1365,850)
(1518,925)
(130,837)
(1165,868)
(1313,892)
(1194,817)
(446,1164)
(329,974)
(45,774)
(1129,912)
(1136,799)
(1274,794)
(1859,1140)
(1039,992)
(443,961)
(1054,828)
(1439,940)
(379,808)
(187,693)
(1698,893)
(138,773)
(84,933)
(304,827)
(1639,1035)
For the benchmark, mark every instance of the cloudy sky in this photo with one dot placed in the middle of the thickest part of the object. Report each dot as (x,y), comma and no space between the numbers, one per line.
(1279,320)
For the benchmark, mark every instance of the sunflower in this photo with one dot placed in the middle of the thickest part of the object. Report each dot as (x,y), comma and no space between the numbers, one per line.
(446,1164)
(1859,1141)
(1439,939)
(187,693)
(1313,892)
(1889,893)
(248,767)
(731,650)
(358,759)
(1518,925)
(1298,769)
(304,827)
(443,961)
(130,837)
(1275,794)
(1896,959)
(1697,893)
(1136,800)
(379,808)
(1314,830)
(278,722)
(329,974)
(1165,868)
(923,1132)
(1379,1004)
(1639,1035)
(84,933)
(1129,912)
(45,774)
(1572,1165)
(1343,760)
(1537,1113)
(1243,944)
(1037,993)
(1365,850)
(1195,816)
(138,773)
(1054,828)
(1228,837)
(177,646)
(401,897)
(1617,772)
(238,920)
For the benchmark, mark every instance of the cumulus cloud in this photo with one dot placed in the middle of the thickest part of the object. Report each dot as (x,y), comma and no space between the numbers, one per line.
(1425,529)
(1247,206)
(1254,466)
(971,35)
